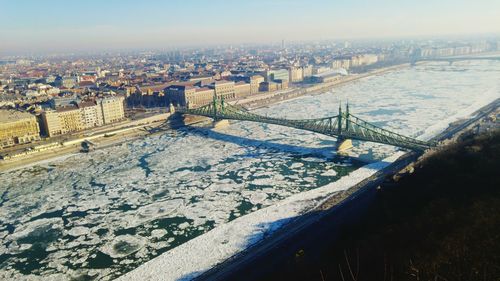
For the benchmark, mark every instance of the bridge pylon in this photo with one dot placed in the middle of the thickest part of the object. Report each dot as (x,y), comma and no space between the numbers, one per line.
(343,144)
(218,124)
(218,113)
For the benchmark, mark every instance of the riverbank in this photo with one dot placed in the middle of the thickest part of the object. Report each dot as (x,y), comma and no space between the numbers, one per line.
(263,100)
(102,137)
(131,130)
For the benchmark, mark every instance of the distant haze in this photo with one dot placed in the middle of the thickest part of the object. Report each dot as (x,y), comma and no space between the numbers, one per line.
(78,25)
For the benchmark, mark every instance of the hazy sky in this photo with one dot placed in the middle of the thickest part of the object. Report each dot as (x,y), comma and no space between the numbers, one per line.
(70,25)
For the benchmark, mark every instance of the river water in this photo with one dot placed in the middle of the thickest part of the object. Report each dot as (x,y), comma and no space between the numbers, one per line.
(96,216)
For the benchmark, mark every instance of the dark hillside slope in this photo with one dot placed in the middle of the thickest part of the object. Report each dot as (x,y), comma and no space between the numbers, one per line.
(441,222)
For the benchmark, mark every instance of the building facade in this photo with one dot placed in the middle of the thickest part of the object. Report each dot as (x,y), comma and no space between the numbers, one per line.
(307,71)
(241,89)
(84,115)
(201,97)
(112,109)
(189,96)
(91,114)
(224,89)
(62,121)
(276,74)
(273,86)
(17,128)
(179,95)
(296,74)
(254,82)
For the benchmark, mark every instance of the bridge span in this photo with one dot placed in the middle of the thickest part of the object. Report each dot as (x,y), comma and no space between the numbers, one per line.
(343,126)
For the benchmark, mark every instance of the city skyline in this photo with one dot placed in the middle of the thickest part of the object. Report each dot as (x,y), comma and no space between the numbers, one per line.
(58,26)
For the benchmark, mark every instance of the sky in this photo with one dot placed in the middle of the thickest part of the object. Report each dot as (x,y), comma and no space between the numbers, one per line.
(85,25)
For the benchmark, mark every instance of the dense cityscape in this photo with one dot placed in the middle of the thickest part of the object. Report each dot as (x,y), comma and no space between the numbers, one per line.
(49,96)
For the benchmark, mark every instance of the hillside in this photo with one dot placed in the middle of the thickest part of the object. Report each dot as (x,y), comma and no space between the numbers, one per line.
(442,222)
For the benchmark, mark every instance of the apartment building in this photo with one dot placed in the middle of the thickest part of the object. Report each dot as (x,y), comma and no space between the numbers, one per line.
(112,109)
(81,116)
(17,128)
(296,74)
(254,82)
(242,89)
(91,114)
(224,89)
(63,120)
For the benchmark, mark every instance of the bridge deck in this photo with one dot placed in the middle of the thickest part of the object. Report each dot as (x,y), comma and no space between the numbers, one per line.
(343,126)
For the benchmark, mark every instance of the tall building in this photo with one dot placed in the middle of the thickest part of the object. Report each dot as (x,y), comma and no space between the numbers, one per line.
(307,71)
(180,95)
(91,114)
(112,109)
(276,74)
(296,74)
(62,121)
(224,89)
(241,89)
(189,96)
(17,128)
(255,81)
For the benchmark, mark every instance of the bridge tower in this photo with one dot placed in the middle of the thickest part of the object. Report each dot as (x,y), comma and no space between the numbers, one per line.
(343,143)
(339,130)
(218,121)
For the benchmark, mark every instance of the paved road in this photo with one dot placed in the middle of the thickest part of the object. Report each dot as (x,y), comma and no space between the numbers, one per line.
(303,234)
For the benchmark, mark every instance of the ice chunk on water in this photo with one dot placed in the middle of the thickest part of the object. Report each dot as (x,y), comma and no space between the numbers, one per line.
(153,211)
(257,198)
(37,228)
(296,165)
(329,173)
(123,246)
(79,231)
(158,233)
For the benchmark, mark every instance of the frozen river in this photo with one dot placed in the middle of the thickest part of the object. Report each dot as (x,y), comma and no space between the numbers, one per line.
(98,215)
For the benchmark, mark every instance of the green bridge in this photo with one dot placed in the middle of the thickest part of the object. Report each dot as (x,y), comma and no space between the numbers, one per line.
(344,126)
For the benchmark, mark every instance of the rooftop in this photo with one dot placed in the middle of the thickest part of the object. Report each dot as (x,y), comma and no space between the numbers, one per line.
(66,108)
(179,87)
(222,82)
(13,115)
(86,104)
(203,89)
